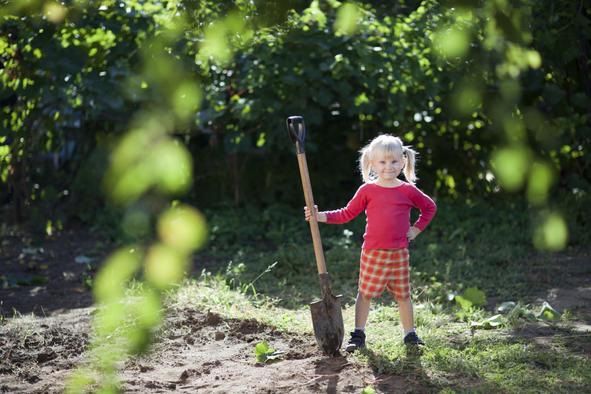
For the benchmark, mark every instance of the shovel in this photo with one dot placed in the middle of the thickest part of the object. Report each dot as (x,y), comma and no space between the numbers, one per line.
(327,317)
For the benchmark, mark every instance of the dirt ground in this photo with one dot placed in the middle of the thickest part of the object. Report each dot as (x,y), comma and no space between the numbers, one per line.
(201,352)
(198,351)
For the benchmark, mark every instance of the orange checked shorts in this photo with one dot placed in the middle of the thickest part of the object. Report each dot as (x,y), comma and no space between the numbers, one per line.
(384,269)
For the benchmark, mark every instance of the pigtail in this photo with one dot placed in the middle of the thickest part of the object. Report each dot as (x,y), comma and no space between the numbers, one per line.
(365,164)
(410,165)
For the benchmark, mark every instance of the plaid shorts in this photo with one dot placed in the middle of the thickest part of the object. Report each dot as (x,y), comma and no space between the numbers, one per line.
(381,268)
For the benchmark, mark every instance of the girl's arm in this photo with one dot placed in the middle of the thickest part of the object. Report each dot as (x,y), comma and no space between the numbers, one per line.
(426,205)
(357,205)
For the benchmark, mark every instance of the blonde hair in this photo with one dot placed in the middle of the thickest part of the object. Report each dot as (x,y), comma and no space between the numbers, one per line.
(389,146)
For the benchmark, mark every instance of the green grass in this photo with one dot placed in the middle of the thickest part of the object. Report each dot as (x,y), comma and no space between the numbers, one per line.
(475,361)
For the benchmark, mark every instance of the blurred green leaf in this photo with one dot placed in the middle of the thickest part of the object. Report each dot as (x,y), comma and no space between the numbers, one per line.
(173,164)
(451,42)
(146,312)
(146,158)
(217,41)
(118,269)
(164,266)
(187,99)
(534,59)
(552,234)
(183,227)
(346,20)
(78,381)
(215,44)
(110,317)
(541,178)
(511,166)
(55,12)
(139,339)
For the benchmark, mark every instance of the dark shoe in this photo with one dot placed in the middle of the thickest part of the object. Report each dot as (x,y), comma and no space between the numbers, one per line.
(413,339)
(356,342)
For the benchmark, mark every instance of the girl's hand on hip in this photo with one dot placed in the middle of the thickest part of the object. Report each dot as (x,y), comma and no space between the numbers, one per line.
(412,233)
(320,216)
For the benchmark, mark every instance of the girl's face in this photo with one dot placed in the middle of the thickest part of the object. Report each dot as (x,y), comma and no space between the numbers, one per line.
(387,166)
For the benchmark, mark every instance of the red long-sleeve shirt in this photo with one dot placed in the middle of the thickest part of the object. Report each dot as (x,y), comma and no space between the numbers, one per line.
(387,211)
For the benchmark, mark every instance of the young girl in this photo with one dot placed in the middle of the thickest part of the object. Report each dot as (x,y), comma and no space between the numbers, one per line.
(387,202)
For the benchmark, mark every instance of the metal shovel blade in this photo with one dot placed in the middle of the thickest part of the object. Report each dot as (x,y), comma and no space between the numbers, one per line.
(327,319)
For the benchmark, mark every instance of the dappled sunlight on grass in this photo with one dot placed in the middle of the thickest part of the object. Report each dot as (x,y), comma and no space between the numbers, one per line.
(216,296)
(487,360)
(512,364)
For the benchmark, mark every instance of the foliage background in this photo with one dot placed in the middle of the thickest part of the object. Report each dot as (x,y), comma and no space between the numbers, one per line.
(71,85)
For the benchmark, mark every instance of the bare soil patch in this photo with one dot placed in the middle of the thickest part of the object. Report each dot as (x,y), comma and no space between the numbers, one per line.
(195,352)
(38,353)
(47,275)
(207,352)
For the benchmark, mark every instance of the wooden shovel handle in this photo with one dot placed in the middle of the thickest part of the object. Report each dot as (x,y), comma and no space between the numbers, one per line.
(316,240)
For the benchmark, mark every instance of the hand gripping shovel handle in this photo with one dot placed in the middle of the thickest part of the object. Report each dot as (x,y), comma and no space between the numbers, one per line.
(297,132)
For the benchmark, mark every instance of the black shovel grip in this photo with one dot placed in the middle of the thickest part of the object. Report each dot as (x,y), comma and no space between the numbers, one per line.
(297,132)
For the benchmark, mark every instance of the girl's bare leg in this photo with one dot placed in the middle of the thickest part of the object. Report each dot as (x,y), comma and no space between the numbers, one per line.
(406,314)
(362,304)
